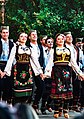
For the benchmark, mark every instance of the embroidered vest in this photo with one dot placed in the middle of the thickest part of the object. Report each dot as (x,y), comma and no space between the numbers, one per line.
(23,79)
(62,55)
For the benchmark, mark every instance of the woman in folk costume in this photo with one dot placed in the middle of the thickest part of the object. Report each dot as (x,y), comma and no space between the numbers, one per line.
(62,89)
(20,56)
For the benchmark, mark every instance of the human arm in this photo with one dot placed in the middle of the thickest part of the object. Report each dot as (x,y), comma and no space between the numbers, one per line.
(76,68)
(9,64)
(34,60)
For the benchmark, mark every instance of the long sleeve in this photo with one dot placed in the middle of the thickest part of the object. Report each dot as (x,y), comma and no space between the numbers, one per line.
(75,67)
(10,61)
(35,62)
(73,61)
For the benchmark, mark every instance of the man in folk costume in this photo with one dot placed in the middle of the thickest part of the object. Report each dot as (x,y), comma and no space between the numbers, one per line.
(5,48)
(37,64)
(79,44)
(48,64)
(76,82)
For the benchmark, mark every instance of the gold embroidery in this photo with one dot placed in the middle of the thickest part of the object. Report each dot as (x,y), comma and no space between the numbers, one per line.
(23,57)
(62,55)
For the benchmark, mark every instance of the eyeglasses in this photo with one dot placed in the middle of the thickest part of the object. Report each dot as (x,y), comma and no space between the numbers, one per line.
(49,42)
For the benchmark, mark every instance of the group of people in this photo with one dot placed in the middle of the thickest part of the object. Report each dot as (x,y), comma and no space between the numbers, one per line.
(48,70)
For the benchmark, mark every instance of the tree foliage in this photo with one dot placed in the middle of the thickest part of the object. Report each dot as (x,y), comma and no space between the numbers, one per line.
(46,16)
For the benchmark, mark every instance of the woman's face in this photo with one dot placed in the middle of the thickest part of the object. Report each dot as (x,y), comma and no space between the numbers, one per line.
(23,37)
(60,40)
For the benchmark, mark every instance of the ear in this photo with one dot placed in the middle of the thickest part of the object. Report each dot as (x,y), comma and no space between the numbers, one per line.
(18,39)
(29,37)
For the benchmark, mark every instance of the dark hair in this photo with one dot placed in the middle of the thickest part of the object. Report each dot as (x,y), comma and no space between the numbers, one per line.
(25,111)
(55,40)
(49,37)
(19,33)
(4,27)
(55,45)
(31,32)
(42,36)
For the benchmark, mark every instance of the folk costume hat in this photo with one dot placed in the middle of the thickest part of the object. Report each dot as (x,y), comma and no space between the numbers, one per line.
(4,27)
(66,33)
(79,40)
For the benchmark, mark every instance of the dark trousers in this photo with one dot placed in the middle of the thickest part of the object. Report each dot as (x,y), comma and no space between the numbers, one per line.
(47,92)
(82,94)
(1,87)
(39,83)
(6,84)
(76,92)
(76,89)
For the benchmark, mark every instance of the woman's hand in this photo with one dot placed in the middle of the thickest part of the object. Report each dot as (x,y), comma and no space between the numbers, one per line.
(81,77)
(2,74)
(42,76)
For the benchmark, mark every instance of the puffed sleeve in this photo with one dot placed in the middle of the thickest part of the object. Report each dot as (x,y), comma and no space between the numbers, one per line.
(10,61)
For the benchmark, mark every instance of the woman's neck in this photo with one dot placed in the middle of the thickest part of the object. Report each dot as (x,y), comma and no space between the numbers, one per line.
(23,44)
(60,46)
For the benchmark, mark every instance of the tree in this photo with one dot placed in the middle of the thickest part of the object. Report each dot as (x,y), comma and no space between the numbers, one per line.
(47,17)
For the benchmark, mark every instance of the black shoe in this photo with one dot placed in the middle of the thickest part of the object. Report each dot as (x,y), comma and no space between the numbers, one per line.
(43,110)
(36,109)
(76,108)
(48,108)
(9,101)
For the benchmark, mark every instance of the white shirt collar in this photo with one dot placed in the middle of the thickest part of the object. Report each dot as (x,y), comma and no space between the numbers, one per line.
(69,45)
(3,41)
(33,45)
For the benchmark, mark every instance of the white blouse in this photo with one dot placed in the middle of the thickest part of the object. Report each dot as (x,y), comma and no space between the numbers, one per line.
(12,60)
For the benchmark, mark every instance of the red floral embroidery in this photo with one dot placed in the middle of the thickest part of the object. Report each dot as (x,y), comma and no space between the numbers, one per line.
(15,73)
(16,82)
(23,75)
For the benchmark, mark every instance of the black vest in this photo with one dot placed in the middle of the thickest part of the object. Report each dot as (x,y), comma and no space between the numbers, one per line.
(77,50)
(41,57)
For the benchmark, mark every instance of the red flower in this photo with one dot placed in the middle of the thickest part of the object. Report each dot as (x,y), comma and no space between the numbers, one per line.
(16,82)
(61,86)
(15,73)
(64,72)
(30,72)
(30,80)
(24,75)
